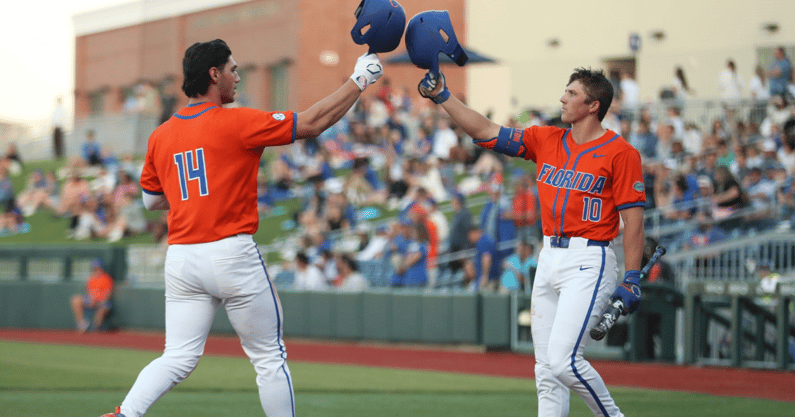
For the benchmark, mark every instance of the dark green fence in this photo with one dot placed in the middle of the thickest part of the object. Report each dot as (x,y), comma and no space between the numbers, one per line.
(394,316)
(754,329)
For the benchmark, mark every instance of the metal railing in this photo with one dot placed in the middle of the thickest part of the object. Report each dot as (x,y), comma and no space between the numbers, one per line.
(735,260)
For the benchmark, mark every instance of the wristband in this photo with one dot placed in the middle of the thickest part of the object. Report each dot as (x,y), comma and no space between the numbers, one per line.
(442,96)
(632,276)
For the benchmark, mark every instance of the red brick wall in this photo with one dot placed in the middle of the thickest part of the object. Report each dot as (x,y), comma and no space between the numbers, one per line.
(260,34)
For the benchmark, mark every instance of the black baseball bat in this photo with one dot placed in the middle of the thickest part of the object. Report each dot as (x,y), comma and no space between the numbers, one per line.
(613,311)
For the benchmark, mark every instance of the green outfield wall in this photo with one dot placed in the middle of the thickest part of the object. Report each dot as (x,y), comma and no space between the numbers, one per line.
(381,315)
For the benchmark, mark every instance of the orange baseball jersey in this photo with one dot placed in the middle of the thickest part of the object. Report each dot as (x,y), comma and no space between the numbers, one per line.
(581,187)
(205,160)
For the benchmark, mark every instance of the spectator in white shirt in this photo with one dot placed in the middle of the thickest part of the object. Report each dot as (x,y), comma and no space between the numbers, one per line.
(730,83)
(308,276)
(444,140)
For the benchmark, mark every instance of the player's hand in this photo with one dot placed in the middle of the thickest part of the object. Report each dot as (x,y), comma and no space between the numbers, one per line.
(629,292)
(368,70)
(434,88)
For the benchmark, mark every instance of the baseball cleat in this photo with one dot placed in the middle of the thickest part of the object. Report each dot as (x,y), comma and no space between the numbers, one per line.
(116,414)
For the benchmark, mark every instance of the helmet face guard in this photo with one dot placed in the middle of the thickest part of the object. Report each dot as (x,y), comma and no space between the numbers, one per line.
(429,33)
(383,22)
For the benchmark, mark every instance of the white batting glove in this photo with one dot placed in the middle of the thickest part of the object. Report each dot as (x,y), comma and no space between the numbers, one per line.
(368,70)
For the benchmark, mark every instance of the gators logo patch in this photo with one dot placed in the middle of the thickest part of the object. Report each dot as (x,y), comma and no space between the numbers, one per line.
(638,186)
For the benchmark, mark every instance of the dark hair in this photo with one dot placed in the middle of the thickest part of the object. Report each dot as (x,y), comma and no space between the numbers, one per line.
(348,260)
(681,182)
(597,87)
(199,58)
(300,256)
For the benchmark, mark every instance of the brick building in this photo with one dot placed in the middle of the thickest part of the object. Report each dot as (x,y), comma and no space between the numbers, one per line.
(291,53)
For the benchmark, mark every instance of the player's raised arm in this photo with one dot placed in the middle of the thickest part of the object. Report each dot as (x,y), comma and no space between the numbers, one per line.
(380,25)
(474,124)
(328,111)
(429,34)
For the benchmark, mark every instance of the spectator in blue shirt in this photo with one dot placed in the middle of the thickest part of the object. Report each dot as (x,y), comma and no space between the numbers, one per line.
(496,221)
(398,249)
(91,151)
(780,71)
(415,264)
(518,269)
(483,271)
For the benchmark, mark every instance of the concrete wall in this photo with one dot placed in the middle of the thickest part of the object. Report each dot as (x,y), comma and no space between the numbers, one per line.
(699,36)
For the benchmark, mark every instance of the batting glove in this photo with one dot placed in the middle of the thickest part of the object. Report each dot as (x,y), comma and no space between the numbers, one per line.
(368,70)
(629,292)
(429,84)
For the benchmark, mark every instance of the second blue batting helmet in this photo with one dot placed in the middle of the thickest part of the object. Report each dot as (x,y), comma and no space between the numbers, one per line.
(429,33)
(384,21)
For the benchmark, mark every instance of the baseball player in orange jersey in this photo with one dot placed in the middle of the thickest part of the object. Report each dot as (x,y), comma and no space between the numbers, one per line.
(589,179)
(201,165)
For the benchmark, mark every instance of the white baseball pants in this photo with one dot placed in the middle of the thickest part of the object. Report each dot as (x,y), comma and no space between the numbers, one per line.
(199,277)
(572,287)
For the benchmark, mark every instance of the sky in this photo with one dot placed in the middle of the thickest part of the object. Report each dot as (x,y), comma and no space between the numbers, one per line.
(38,54)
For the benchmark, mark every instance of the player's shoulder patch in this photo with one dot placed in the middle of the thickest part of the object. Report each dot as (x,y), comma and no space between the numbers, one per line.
(279,116)
(638,186)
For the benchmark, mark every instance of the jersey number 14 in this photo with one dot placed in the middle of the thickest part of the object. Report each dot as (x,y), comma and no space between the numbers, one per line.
(191,169)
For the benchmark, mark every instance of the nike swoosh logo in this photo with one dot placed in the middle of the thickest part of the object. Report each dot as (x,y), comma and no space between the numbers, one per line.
(583,269)
(598,156)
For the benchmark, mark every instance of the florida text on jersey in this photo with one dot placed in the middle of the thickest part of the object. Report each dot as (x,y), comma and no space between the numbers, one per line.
(581,187)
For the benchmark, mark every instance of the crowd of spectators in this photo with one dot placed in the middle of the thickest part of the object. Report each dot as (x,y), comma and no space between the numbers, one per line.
(98,193)
(394,152)
(395,156)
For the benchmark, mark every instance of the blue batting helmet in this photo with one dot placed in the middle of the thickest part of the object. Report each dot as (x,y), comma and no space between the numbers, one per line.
(429,33)
(385,21)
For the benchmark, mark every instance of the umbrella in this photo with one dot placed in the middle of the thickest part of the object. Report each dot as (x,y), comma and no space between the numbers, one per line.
(474,57)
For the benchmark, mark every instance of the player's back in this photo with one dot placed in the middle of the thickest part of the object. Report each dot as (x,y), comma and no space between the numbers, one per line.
(205,160)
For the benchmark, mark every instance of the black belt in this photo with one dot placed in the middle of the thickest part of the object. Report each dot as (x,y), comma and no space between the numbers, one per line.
(563,242)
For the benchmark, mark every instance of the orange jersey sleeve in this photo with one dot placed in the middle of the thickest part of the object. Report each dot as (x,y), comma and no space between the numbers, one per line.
(205,160)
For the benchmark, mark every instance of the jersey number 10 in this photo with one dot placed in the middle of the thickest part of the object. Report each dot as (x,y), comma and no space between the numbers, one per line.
(591,209)
(190,169)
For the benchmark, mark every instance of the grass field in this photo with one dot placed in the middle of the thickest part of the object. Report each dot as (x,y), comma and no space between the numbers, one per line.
(51,380)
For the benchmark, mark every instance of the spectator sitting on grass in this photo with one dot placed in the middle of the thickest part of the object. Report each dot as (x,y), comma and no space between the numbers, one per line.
(12,221)
(6,186)
(75,189)
(90,150)
(127,220)
(15,164)
(35,194)
(127,187)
